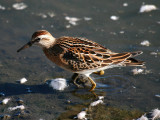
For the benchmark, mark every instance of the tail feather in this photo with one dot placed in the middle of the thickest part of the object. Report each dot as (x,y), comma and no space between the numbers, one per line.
(127,59)
(133,62)
(134,54)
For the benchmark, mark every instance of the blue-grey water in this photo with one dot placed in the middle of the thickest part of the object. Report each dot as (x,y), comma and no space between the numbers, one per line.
(119,86)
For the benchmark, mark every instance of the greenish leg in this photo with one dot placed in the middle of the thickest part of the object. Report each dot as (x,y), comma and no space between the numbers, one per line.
(75,77)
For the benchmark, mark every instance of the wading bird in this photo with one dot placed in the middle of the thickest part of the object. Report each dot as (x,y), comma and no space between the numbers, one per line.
(80,55)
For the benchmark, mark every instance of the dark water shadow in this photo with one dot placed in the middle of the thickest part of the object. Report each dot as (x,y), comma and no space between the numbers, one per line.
(14,89)
(11,89)
(110,85)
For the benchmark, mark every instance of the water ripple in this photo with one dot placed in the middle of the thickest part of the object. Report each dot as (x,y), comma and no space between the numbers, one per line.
(114,83)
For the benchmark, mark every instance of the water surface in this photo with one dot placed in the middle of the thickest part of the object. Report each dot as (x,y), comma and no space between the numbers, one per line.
(119,86)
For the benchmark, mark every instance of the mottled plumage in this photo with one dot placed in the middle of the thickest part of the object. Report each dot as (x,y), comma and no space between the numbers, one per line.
(80,55)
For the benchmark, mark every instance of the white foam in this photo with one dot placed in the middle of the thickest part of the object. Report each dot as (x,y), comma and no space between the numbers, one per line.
(113,17)
(125,4)
(68,26)
(58,84)
(147,8)
(75,19)
(145,43)
(81,115)
(19,6)
(72,20)
(153,53)
(137,71)
(143,117)
(22,80)
(155,114)
(6,100)
(42,15)
(100,97)
(96,103)
(41,119)
(157,95)
(21,107)
(2,7)
(51,14)
(87,18)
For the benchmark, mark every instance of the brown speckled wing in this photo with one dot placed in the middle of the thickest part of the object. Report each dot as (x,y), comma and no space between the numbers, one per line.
(81,54)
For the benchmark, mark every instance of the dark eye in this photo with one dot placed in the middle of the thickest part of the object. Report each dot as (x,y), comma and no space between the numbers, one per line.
(38,39)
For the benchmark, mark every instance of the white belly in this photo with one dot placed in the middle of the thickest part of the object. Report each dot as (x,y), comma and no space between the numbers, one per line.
(88,72)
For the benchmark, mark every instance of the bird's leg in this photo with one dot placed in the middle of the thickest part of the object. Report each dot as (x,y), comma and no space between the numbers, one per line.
(99,72)
(75,77)
(93,84)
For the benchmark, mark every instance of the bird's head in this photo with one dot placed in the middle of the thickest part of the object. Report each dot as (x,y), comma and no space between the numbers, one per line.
(42,38)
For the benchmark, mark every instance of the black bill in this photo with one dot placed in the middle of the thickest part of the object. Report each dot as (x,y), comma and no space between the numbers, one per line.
(25,46)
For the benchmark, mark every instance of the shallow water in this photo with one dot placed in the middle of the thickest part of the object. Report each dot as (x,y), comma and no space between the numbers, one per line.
(119,86)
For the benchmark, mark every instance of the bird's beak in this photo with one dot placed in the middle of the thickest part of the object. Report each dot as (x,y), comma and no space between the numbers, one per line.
(25,46)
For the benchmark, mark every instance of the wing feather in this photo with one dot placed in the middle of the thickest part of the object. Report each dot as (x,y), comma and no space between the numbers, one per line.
(86,54)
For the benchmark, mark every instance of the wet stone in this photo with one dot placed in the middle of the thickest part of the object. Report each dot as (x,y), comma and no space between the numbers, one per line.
(5,117)
(19,101)
(29,90)
(2,94)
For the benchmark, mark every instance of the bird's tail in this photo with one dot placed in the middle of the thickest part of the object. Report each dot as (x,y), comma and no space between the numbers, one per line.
(132,61)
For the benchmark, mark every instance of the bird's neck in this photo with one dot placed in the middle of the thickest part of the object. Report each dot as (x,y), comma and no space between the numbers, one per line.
(48,43)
